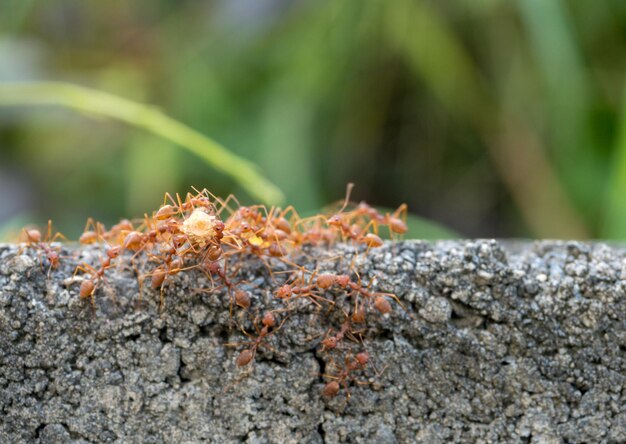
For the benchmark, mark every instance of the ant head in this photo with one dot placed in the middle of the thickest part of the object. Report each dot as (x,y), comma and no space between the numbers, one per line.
(268,319)
(284,292)
(330,342)
(218,226)
(362,358)
(342,280)
(179,240)
(334,220)
(114,252)
(201,201)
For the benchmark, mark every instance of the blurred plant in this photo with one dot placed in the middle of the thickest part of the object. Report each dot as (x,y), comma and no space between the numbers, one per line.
(149,118)
(495,118)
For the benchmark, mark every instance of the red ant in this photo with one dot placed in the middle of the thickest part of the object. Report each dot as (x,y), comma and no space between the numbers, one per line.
(241,298)
(331,342)
(327,280)
(92,233)
(354,231)
(343,377)
(394,221)
(269,322)
(171,264)
(88,286)
(295,290)
(117,234)
(33,238)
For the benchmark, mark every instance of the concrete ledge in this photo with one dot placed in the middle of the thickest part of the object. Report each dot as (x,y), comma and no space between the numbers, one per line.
(500,343)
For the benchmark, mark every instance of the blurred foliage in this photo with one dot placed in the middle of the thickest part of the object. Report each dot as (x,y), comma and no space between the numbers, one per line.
(148,118)
(495,118)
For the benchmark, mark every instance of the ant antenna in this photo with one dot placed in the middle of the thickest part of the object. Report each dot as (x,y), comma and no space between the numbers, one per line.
(347,199)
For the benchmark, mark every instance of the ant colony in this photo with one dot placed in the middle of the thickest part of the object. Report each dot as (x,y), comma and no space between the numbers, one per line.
(202,233)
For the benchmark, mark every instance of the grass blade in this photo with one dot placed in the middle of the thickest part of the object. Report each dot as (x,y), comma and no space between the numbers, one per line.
(246,173)
(615,217)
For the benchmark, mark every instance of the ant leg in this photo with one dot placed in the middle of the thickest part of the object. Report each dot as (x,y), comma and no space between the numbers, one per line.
(374,225)
(162,294)
(346,201)
(311,219)
(87,269)
(167,196)
(181,207)
(49,230)
(58,236)
(225,203)
(140,279)
(292,210)
(401,212)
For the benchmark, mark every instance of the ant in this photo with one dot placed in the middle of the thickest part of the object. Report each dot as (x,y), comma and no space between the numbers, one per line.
(33,238)
(332,342)
(88,286)
(395,222)
(92,233)
(343,376)
(327,280)
(298,289)
(269,328)
(171,264)
(354,231)
(238,297)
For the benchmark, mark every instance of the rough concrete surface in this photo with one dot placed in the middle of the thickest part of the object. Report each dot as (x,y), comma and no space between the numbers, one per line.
(499,343)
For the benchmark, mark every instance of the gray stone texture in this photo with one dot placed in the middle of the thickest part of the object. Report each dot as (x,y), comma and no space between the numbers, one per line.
(510,343)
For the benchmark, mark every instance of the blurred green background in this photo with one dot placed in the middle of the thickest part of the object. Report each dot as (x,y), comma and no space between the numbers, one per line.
(493,118)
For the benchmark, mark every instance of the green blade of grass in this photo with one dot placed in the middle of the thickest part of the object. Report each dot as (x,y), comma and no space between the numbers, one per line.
(554,45)
(429,44)
(615,216)
(87,100)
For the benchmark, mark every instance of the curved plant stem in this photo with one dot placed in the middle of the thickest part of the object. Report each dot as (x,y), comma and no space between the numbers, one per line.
(247,174)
